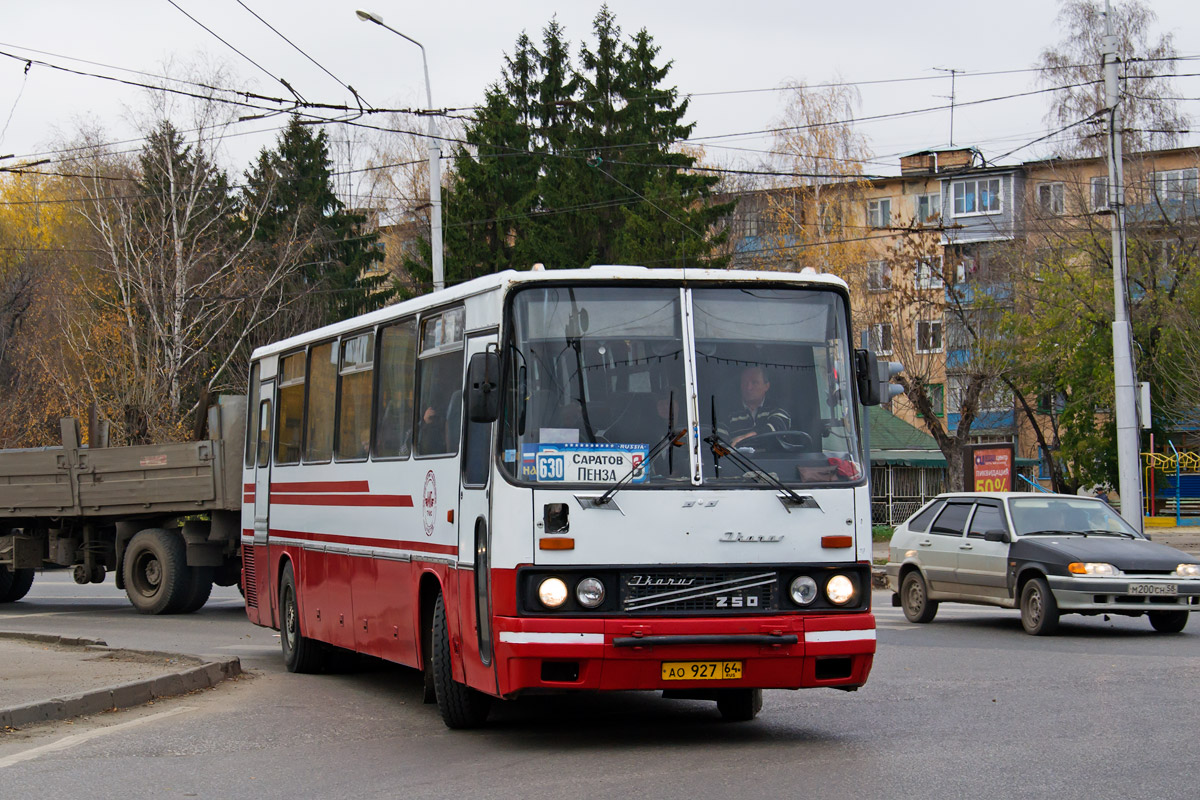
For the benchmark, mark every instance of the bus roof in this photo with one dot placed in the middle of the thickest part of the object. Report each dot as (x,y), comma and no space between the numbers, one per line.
(511,278)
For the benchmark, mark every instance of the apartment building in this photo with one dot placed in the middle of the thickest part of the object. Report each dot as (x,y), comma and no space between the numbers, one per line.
(930,255)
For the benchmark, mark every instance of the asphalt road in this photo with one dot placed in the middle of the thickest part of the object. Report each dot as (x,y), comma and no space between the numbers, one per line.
(967,706)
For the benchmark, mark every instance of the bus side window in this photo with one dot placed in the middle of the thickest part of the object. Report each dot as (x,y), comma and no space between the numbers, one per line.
(320,402)
(394,406)
(354,396)
(264,433)
(439,384)
(251,442)
(290,429)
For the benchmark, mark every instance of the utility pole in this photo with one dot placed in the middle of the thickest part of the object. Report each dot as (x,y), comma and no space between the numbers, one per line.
(1128,433)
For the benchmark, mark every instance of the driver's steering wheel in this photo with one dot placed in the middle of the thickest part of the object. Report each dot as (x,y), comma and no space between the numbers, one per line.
(786,441)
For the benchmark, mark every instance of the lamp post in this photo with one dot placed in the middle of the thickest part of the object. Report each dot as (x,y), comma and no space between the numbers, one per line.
(435,157)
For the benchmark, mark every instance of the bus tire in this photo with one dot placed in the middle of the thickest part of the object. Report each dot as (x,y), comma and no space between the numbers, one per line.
(460,706)
(300,654)
(199,588)
(14,583)
(155,567)
(739,705)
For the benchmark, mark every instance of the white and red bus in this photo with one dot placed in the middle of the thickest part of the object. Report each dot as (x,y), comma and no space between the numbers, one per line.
(541,481)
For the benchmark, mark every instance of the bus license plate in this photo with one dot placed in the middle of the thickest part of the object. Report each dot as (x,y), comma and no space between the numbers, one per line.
(701,670)
(1162,589)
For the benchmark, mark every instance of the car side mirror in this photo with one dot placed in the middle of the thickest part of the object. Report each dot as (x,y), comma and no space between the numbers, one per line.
(483,387)
(995,536)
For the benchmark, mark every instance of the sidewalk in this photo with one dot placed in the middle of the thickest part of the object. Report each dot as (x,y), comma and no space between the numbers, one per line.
(46,677)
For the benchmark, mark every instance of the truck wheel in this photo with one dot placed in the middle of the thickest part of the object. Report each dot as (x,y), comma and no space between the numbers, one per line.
(300,654)
(460,706)
(14,584)
(199,587)
(156,579)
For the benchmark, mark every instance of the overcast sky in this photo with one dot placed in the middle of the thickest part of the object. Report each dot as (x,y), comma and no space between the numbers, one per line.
(722,52)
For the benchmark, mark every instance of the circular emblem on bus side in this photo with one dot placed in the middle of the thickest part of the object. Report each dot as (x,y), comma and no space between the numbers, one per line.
(429,503)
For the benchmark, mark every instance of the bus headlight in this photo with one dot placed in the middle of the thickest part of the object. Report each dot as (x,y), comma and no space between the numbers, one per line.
(839,590)
(552,592)
(590,592)
(803,590)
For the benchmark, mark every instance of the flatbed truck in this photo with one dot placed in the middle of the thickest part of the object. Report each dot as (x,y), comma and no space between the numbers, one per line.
(163,518)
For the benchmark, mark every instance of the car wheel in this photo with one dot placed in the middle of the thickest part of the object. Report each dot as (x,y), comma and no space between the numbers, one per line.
(914,599)
(1168,621)
(1039,609)
(739,705)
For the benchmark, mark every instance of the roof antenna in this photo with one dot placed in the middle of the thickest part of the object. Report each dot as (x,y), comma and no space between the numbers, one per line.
(953,73)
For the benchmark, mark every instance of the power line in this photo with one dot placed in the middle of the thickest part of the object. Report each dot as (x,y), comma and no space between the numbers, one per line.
(301,52)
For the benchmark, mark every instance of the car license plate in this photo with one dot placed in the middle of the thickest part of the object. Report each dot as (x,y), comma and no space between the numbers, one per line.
(1160,589)
(701,670)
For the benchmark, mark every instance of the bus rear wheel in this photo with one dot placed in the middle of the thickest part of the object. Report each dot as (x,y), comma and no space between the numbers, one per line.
(460,706)
(300,654)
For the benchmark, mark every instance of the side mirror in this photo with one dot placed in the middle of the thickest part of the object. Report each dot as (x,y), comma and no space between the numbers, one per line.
(483,387)
(995,536)
(874,378)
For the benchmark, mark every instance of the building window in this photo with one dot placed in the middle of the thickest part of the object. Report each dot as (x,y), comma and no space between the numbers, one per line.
(881,338)
(929,336)
(937,398)
(928,274)
(879,213)
(1175,185)
(1099,193)
(1050,199)
(929,208)
(879,276)
(977,197)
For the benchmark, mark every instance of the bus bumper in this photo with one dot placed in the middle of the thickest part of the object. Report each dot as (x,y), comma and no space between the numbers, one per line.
(609,655)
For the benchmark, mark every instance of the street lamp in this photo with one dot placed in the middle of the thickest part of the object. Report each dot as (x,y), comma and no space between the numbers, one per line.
(435,156)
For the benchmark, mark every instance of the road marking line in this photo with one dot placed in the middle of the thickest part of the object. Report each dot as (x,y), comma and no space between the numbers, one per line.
(38,614)
(80,738)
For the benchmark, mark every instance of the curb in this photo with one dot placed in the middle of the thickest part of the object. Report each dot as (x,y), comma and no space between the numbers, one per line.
(204,675)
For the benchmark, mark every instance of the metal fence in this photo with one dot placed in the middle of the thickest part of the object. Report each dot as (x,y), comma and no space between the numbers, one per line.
(897,491)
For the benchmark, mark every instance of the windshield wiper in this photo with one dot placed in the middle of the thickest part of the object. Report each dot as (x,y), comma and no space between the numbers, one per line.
(671,438)
(1053,532)
(722,449)
(1106,532)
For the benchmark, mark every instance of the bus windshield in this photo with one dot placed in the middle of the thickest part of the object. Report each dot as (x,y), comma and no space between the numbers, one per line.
(597,377)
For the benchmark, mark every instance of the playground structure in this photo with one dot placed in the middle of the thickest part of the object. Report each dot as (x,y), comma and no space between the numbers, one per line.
(1172,488)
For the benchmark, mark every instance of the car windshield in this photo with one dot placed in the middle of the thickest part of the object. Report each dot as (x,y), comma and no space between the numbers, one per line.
(1058,515)
(597,376)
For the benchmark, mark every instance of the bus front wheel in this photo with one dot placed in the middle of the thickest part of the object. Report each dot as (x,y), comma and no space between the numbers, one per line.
(460,706)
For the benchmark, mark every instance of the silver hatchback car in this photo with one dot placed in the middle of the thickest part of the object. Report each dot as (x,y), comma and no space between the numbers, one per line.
(1046,554)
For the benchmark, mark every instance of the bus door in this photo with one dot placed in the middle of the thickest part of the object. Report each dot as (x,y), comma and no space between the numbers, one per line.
(474,535)
(262,505)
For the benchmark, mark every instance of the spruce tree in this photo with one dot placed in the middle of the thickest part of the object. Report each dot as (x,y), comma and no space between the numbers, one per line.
(576,166)
(294,184)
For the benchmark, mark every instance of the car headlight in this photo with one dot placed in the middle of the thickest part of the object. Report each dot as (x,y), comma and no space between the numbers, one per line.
(552,592)
(803,590)
(590,592)
(839,590)
(1188,570)
(1092,568)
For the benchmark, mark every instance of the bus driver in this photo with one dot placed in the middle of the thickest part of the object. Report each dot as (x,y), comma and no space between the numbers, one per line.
(756,415)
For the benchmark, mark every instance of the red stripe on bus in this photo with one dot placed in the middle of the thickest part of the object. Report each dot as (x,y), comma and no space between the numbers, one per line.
(390,544)
(353,500)
(248,487)
(321,486)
